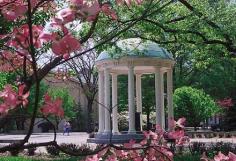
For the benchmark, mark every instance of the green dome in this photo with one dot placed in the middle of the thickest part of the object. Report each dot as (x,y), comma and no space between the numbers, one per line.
(135,47)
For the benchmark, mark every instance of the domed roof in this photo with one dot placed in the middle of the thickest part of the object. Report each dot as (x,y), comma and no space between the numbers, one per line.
(135,47)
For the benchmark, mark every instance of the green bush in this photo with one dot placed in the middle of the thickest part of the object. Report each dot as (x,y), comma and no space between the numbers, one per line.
(80,149)
(31,151)
(52,150)
(194,105)
(70,147)
(197,148)
(84,149)
(187,157)
(15,152)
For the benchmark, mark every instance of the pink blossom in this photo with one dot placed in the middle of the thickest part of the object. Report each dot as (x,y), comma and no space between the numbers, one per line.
(182,140)
(220,157)
(180,123)
(90,11)
(21,36)
(77,2)
(144,142)
(93,158)
(120,2)
(204,157)
(67,15)
(232,156)
(9,97)
(46,37)
(59,25)
(102,152)
(226,102)
(106,8)
(121,153)
(128,2)
(14,10)
(159,129)
(65,46)
(111,157)
(153,135)
(52,106)
(176,134)
(23,96)
(130,144)
(3,108)
(86,10)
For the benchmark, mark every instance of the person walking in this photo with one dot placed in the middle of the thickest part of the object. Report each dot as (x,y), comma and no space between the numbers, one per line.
(67,128)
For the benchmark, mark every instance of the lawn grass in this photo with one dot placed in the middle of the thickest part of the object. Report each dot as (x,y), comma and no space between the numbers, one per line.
(187,157)
(9,158)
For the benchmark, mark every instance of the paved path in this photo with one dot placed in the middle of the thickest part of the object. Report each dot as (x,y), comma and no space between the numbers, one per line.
(75,138)
(81,138)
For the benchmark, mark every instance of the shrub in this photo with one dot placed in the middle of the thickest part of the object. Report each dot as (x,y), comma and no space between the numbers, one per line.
(70,147)
(223,147)
(85,148)
(31,151)
(187,157)
(15,152)
(82,149)
(193,104)
(52,150)
(197,148)
(123,121)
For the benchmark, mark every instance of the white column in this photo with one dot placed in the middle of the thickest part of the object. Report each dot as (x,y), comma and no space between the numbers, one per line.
(159,93)
(114,104)
(101,123)
(170,96)
(107,102)
(139,97)
(131,100)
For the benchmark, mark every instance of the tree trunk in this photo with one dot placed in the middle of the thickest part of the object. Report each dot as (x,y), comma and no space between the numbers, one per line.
(90,120)
(195,126)
(148,120)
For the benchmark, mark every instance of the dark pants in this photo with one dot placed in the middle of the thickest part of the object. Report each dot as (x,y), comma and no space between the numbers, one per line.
(66,130)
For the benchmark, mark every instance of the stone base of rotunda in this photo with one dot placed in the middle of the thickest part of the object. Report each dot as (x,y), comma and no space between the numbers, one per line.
(119,138)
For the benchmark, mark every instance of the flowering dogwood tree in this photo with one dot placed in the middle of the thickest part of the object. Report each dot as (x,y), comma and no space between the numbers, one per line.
(26,41)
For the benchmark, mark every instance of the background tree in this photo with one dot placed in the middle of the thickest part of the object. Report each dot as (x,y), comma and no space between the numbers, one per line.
(86,74)
(148,97)
(194,105)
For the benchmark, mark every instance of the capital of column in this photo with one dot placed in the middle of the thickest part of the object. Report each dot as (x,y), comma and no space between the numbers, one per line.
(114,74)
